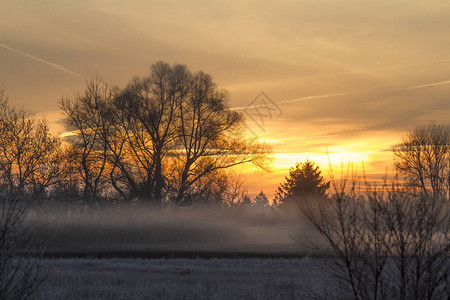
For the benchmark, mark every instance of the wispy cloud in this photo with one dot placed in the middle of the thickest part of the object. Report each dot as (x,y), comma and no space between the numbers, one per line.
(59,67)
(288,101)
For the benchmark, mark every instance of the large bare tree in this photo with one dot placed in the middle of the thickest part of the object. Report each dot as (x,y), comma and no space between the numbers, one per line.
(424,158)
(161,137)
(150,124)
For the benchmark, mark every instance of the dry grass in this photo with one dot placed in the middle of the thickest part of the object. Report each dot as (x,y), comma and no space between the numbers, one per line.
(185,279)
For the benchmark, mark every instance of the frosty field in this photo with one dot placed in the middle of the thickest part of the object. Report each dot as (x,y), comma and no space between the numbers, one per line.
(183,278)
(208,254)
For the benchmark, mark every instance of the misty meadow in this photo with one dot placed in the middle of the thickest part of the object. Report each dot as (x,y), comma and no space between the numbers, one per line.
(249,150)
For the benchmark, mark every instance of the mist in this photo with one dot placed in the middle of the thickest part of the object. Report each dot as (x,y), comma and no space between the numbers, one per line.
(145,231)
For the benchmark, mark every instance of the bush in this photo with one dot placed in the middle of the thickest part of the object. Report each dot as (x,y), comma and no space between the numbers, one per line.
(389,243)
(19,276)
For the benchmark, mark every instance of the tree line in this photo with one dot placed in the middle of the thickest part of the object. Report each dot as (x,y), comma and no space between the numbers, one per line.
(169,137)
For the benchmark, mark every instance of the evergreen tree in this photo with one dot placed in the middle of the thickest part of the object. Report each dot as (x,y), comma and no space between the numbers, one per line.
(246,201)
(261,200)
(304,180)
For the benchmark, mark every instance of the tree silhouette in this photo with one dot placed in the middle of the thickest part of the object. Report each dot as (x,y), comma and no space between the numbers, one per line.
(304,180)
(210,137)
(160,139)
(261,200)
(424,158)
(28,165)
(28,152)
(86,119)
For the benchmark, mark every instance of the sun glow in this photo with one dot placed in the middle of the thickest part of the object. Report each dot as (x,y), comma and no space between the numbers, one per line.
(324,160)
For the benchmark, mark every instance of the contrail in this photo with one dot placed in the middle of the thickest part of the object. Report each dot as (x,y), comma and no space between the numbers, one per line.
(289,101)
(310,97)
(330,75)
(342,94)
(427,85)
(42,61)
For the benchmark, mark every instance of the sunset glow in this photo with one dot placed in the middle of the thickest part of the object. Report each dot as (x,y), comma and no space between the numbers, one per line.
(246,149)
(348,80)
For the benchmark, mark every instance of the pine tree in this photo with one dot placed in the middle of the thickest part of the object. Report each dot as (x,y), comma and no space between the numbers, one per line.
(261,200)
(304,180)
(246,202)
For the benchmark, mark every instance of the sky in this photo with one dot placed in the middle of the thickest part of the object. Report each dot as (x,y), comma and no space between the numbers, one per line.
(346,79)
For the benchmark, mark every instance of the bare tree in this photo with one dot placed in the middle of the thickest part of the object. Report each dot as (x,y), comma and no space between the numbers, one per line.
(87,121)
(424,158)
(26,169)
(210,136)
(160,138)
(419,231)
(67,187)
(150,117)
(28,152)
(19,276)
(387,243)
(220,188)
(352,231)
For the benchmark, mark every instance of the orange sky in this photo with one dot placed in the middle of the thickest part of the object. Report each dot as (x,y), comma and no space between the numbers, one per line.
(349,76)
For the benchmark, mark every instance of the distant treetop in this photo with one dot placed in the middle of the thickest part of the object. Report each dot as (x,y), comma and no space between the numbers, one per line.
(304,180)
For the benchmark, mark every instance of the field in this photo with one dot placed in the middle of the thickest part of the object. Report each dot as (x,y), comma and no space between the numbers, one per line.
(184,278)
(140,253)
